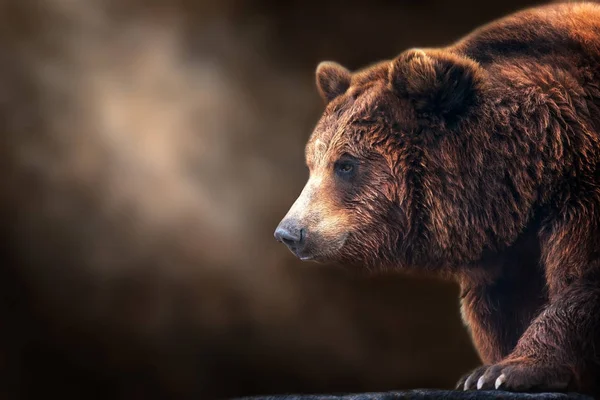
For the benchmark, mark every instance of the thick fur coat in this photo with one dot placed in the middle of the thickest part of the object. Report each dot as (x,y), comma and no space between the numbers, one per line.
(481,161)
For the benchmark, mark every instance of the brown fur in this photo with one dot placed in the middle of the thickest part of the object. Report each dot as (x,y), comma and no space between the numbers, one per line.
(480,161)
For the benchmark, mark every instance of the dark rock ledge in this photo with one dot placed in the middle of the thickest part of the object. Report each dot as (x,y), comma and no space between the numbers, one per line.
(427,394)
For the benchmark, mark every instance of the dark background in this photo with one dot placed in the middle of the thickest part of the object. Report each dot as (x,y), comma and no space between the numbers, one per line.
(148,149)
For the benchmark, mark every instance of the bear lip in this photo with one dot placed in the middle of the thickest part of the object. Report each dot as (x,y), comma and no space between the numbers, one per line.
(323,255)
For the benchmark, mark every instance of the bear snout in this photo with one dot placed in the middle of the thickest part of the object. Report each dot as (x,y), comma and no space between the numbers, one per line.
(290,233)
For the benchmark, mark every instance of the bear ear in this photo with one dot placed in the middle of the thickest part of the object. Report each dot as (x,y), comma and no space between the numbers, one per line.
(438,83)
(332,80)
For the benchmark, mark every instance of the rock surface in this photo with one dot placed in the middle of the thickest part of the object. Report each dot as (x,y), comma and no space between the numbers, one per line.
(427,394)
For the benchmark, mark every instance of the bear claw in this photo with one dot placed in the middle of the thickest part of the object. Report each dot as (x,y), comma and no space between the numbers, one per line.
(480,382)
(469,381)
(501,379)
(518,376)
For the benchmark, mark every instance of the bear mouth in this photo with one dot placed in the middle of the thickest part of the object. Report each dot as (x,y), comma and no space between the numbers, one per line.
(321,255)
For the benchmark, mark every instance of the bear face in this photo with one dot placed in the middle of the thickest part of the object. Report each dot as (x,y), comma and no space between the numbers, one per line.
(366,200)
(353,187)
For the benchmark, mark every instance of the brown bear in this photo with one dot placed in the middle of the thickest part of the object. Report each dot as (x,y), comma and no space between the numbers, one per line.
(480,161)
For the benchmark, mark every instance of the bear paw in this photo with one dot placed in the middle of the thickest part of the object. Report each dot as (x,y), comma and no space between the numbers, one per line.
(520,375)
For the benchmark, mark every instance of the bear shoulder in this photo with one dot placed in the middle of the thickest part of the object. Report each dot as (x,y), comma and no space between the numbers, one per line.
(537,33)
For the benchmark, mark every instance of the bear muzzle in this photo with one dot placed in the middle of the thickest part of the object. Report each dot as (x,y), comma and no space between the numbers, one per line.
(290,233)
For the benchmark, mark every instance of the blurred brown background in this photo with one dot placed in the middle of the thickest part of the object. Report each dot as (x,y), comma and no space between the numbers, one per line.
(148,150)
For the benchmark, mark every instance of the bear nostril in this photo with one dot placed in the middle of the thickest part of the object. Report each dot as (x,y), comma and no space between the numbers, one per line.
(288,242)
(290,239)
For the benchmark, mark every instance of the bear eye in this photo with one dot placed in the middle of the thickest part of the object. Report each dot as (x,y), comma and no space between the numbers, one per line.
(345,168)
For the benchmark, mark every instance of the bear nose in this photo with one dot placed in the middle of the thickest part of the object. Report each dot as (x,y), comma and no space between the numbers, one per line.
(291,236)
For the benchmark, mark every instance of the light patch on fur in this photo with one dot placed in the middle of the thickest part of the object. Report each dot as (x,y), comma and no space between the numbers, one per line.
(316,181)
(320,149)
(331,224)
(302,203)
(317,213)
(310,203)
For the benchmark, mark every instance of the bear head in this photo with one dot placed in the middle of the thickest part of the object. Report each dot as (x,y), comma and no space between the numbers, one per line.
(375,157)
